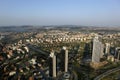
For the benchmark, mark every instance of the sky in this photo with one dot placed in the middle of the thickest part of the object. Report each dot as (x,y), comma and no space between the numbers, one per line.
(60,12)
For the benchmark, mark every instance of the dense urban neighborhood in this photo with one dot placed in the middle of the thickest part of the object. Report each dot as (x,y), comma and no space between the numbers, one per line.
(59,53)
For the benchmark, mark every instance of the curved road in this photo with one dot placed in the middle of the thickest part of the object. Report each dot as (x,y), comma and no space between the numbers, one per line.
(107,73)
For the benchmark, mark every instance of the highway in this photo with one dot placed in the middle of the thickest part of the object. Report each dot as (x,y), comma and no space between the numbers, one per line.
(107,73)
(34,48)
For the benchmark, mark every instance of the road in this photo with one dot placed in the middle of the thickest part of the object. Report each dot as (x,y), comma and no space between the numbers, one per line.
(34,48)
(107,73)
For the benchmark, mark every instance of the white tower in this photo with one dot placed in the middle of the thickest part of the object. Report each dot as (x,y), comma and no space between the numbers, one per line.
(66,59)
(53,56)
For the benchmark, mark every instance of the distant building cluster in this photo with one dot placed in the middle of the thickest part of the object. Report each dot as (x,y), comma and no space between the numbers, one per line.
(11,50)
(60,36)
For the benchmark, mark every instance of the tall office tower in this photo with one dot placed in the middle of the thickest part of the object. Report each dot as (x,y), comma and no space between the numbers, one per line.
(64,61)
(107,48)
(101,49)
(97,51)
(118,57)
(117,53)
(52,65)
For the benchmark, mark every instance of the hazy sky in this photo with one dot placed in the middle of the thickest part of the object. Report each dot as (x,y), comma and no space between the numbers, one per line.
(60,12)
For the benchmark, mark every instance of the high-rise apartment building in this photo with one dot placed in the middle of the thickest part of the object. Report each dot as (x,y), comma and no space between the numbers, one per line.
(52,64)
(64,64)
(107,48)
(97,51)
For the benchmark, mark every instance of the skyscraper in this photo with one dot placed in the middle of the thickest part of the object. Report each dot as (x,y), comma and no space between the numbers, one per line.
(64,61)
(117,53)
(118,57)
(97,51)
(52,65)
(107,48)
(101,50)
